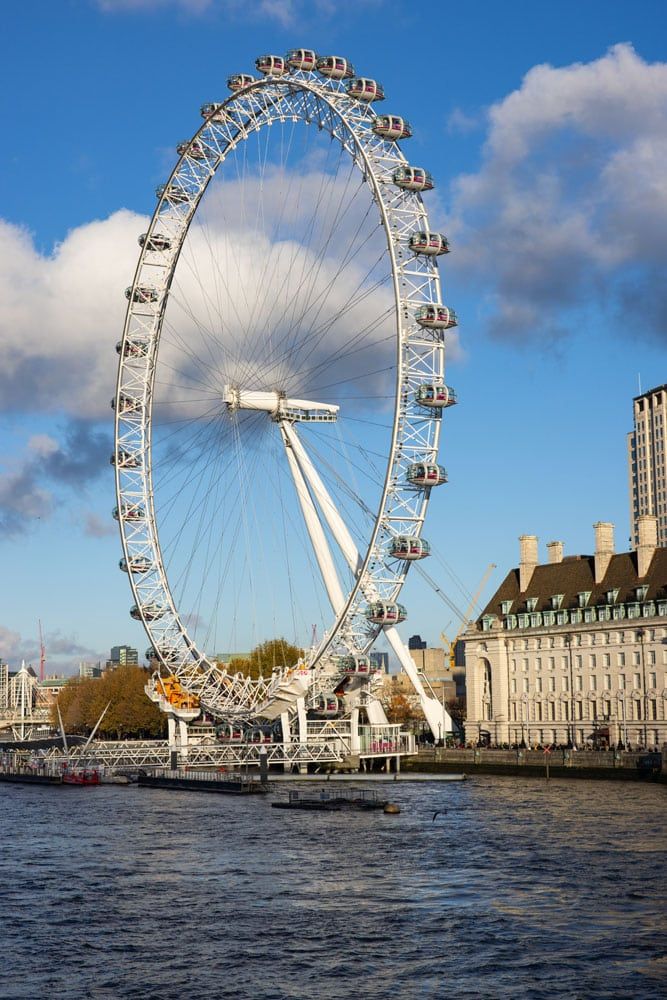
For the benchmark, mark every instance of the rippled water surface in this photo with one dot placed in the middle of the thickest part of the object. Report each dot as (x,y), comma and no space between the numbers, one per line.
(517,889)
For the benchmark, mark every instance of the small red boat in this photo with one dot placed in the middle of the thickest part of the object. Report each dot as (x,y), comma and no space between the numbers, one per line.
(81,776)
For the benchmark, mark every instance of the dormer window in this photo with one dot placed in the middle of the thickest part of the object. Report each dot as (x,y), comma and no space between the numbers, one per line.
(612,596)
(583,597)
(531,604)
(506,607)
(487,622)
(556,601)
(641,592)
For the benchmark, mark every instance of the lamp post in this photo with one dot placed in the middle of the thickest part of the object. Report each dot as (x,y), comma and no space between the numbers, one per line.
(567,639)
(640,635)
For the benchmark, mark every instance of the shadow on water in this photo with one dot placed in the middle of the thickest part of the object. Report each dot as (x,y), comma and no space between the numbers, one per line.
(516,889)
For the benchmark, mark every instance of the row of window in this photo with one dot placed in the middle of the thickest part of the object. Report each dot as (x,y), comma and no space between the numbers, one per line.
(552,711)
(619,638)
(578,616)
(605,682)
(594,661)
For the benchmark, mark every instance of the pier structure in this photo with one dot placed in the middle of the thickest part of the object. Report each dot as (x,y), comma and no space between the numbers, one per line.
(21,712)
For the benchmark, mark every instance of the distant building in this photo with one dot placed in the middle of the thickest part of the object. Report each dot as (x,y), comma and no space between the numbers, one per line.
(379,660)
(88,669)
(574,650)
(122,656)
(416,642)
(647,462)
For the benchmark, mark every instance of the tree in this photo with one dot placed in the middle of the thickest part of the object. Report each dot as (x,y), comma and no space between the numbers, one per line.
(457,710)
(131,713)
(265,658)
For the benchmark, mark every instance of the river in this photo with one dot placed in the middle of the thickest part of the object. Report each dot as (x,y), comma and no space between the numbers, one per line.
(517,889)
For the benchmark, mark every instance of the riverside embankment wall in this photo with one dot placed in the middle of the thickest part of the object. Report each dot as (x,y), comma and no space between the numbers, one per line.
(609,765)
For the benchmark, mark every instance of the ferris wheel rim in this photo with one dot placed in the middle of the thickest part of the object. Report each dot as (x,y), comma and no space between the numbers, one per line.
(294,84)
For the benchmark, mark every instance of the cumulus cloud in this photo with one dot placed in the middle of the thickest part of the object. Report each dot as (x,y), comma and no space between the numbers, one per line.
(63,651)
(569,207)
(74,463)
(95,526)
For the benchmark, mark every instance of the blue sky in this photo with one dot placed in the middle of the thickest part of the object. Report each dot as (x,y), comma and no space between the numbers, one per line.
(544,125)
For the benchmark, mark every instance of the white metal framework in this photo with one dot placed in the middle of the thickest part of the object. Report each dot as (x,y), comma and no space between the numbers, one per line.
(323,94)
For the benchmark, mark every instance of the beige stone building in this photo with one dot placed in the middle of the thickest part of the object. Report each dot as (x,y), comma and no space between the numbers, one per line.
(573,649)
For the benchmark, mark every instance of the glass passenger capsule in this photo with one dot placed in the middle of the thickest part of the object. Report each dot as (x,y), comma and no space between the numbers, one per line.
(126,459)
(131,512)
(436,317)
(157,241)
(228,733)
(412,179)
(126,404)
(304,59)
(214,111)
(194,149)
(363,89)
(172,192)
(271,65)
(135,564)
(239,80)
(392,127)
(335,67)
(409,547)
(326,705)
(430,244)
(150,654)
(151,612)
(354,664)
(142,293)
(426,474)
(435,394)
(137,347)
(385,613)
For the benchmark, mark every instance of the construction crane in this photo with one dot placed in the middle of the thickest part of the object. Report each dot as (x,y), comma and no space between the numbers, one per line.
(464,621)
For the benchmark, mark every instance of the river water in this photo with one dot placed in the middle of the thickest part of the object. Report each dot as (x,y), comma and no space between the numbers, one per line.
(517,889)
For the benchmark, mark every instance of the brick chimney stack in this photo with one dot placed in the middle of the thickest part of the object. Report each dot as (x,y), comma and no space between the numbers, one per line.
(647,525)
(604,548)
(555,552)
(528,560)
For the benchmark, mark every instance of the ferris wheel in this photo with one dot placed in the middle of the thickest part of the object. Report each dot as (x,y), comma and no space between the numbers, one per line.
(281,383)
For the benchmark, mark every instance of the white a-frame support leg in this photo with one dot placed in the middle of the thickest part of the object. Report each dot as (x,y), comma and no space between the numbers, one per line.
(435,713)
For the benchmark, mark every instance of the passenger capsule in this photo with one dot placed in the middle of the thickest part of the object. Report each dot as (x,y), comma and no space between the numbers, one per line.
(131,512)
(137,347)
(193,149)
(435,394)
(386,613)
(304,59)
(126,404)
(409,547)
(430,244)
(172,192)
(151,612)
(356,665)
(155,242)
(142,294)
(436,317)
(392,127)
(426,474)
(335,67)
(412,179)
(215,112)
(239,80)
(135,564)
(227,733)
(271,65)
(126,459)
(363,89)
(326,705)
(150,654)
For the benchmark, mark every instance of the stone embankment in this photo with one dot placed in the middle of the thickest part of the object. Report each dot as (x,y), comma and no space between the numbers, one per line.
(608,765)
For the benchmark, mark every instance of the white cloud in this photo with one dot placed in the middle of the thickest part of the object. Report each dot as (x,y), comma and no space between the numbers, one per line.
(569,208)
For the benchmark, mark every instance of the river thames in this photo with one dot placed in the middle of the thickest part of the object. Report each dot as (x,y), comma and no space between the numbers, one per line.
(517,889)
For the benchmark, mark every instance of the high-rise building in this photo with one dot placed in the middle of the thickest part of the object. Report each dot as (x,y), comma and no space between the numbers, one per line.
(646,462)
(123,656)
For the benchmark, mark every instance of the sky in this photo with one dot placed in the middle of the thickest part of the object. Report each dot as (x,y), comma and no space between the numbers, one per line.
(545,127)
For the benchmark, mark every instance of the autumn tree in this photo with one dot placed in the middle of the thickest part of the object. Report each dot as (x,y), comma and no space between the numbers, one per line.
(131,713)
(275,654)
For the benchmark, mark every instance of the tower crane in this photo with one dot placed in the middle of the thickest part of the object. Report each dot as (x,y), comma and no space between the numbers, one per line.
(464,621)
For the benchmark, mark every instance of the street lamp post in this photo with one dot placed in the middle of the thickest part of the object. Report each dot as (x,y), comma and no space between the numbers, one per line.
(640,635)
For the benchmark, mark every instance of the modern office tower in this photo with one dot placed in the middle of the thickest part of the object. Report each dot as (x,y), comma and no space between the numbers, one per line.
(646,462)
(124,656)
(416,642)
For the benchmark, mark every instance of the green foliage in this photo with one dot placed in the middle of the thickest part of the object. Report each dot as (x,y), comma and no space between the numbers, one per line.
(131,713)
(265,658)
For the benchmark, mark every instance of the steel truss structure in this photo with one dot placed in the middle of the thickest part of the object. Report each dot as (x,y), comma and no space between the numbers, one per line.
(327,104)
